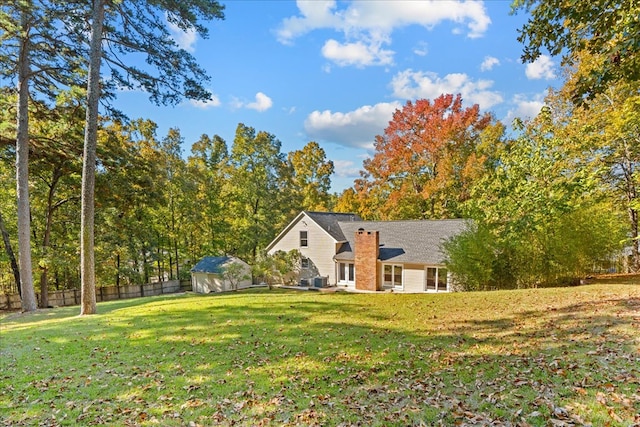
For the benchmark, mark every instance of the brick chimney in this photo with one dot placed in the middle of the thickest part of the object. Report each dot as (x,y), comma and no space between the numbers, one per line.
(366,260)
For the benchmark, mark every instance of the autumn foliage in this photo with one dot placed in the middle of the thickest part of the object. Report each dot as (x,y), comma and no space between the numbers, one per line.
(424,160)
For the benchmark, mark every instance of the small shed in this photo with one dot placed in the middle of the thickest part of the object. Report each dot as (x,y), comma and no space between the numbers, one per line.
(219,274)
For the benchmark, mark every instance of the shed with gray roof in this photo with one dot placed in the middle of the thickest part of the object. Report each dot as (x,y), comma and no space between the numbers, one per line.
(220,273)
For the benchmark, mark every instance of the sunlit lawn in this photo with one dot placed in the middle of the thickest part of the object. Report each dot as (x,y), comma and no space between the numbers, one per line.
(564,356)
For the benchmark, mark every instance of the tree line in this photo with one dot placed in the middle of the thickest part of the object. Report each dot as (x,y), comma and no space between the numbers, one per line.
(548,197)
(158,209)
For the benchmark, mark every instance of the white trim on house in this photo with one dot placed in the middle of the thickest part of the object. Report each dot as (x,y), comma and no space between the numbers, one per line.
(292,224)
(346,274)
(392,283)
(436,285)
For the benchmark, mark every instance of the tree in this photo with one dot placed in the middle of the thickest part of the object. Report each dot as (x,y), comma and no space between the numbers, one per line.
(281,267)
(130,190)
(606,30)
(208,165)
(234,273)
(258,184)
(426,159)
(540,217)
(607,132)
(9,250)
(179,77)
(347,201)
(34,49)
(87,216)
(312,176)
(173,180)
(56,134)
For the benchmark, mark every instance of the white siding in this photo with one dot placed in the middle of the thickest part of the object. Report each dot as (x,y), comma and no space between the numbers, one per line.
(413,279)
(320,249)
(205,283)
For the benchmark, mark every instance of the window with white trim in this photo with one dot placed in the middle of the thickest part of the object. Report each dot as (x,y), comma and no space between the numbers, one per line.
(304,263)
(304,239)
(392,275)
(436,279)
(346,272)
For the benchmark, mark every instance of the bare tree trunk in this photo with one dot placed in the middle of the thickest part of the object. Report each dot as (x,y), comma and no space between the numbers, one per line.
(9,250)
(44,281)
(22,172)
(634,267)
(87,256)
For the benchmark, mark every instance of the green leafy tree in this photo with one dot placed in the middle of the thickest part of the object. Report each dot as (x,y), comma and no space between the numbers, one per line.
(208,167)
(35,50)
(114,35)
(56,135)
(312,176)
(258,183)
(130,186)
(607,132)
(540,217)
(281,267)
(234,273)
(605,30)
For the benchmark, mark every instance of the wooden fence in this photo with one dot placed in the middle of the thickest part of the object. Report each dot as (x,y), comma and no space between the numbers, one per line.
(108,293)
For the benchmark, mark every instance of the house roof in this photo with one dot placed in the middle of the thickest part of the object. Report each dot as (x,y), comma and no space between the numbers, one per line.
(211,264)
(327,221)
(404,241)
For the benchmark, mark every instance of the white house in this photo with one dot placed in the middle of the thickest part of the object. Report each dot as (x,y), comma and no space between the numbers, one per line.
(370,255)
(218,274)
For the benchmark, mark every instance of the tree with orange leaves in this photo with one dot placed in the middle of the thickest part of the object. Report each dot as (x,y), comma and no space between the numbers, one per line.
(426,158)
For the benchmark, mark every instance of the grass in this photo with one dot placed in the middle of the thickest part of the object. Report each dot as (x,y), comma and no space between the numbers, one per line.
(562,356)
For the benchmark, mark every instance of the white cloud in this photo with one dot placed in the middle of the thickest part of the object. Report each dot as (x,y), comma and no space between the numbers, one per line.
(367,25)
(416,85)
(421,49)
(346,169)
(359,53)
(184,39)
(213,102)
(525,108)
(541,68)
(356,128)
(262,103)
(488,63)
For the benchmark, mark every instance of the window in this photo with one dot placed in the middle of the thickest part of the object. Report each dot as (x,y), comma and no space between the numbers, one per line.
(346,272)
(305,263)
(392,276)
(436,279)
(304,240)
(432,273)
(442,279)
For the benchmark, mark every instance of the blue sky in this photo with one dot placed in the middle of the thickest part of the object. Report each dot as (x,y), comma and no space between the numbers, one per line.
(334,72)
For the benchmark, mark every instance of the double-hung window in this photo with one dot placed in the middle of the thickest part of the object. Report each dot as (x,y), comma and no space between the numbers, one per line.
(436,279)
(392,276)
(304,239)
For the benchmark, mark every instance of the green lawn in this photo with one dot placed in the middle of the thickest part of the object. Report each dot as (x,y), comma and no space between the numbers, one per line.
(562,356)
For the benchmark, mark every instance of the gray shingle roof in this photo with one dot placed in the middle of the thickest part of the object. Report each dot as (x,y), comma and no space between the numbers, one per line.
(210,264)
(329,222)
(404,241)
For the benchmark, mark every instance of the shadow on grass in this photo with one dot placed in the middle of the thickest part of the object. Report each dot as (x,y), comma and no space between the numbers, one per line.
(295,358)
